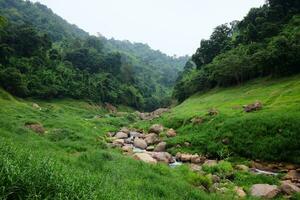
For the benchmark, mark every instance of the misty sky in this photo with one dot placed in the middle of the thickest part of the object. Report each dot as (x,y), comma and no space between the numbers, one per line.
(172,26)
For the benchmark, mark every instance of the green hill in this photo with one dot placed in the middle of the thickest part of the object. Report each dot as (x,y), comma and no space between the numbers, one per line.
(71,160)
(271,133)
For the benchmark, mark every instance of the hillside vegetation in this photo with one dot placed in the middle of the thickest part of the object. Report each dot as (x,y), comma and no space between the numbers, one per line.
(49,58)
(71,160)
(270,134)
(265,43)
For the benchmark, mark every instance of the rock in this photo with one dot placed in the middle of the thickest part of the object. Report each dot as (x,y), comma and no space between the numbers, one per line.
(36,127)
(156,128)
(110,134)
(125,130)
(216,179)
(121,135)
(36,106)
(210,163)
(119,141)
(110,108)
(197,120)
(243,168)
(178,156)
(185,157)
(264,191)
(160,111)
(145,158)
(288,187)
(151,138)
(225,141)
(213,112)
(195,168)
(128,140)
(253,107)
(152,115)
(171,133)
(127,149)
(150,148)
(292,175)
(196,159)
(140,143)
(187,144)
(134,134)
(160,147)
(163,157)
(240,192)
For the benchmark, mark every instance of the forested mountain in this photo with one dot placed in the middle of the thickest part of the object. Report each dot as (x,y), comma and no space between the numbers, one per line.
(266,42)
(46,57)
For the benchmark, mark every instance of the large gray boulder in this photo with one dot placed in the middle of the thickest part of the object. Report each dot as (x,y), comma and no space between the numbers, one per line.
(145,158)
(160,147)
(264,191)
(151,138)
(121,135)
(289,188)
(156,128)
(140,143)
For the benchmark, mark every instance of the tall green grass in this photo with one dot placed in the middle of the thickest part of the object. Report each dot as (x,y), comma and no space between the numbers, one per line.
(71,161)
(271,134)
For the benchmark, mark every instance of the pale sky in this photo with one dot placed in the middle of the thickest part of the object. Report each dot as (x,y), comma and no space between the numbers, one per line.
(172,26)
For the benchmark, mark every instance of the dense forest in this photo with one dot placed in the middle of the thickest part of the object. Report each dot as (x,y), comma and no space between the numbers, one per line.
(45,57)
(265,43)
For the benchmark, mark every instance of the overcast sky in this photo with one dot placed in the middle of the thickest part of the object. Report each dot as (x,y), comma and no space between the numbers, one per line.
(172,26)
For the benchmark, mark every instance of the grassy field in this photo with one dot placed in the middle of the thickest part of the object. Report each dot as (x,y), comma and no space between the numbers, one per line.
(71,161)
(271,134)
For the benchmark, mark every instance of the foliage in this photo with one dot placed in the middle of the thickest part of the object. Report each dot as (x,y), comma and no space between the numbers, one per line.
(71,161)
(266,42)
(270,134)
(49,58)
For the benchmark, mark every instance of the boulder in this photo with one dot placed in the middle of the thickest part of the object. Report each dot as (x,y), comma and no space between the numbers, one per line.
(121,135)
(150,148)
(111,108)
(156,128)
(210,163)
(240,192)
(185,157)
(151,138)
(288,187)
(197,120)
(253,107)
(162,157)
(243,168)
(127,149)
(140,143)
(36,127)
(195,168)
(216,179)
(292,175)
(213,112)
(125,130)
(119,141)
(36,106)
(264,191)
(110,134)
(171,133)
(187,144)
(145,158)
(134,134)
(128,140)
(196,159)
(160,147)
